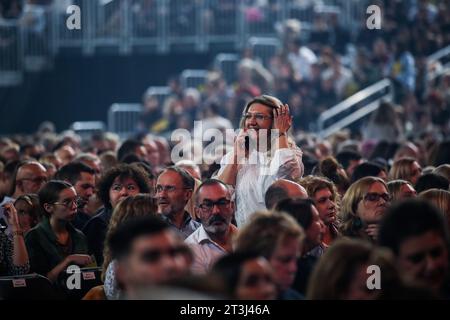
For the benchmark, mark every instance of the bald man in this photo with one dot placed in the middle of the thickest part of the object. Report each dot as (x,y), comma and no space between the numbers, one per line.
(283,189)
(30,178)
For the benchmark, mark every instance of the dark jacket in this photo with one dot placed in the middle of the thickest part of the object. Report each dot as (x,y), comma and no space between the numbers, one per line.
(95,231)
(45,252)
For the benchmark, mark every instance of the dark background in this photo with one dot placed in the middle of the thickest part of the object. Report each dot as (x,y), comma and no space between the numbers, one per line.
(83,88)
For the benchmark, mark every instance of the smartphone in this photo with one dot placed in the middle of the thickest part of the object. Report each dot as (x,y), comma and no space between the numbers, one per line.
(247,142)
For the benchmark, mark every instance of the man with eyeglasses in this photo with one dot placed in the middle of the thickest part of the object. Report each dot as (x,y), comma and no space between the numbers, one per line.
(213,238)
(29,177)
(147,253)
(174,188)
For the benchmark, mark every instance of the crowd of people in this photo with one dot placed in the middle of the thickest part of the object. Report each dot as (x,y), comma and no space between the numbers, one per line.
(264,222)
(274,213)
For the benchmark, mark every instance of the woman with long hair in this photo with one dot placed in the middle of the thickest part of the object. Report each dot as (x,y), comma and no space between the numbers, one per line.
(262,153)
(363,206)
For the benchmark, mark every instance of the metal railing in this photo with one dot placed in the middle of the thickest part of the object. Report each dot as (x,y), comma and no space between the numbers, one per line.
(193,78)
(160,93)
(354,108)
(11,53)
(367,100)
(160,26)
(227,64)
(123,118)
(87,128)
(437,64)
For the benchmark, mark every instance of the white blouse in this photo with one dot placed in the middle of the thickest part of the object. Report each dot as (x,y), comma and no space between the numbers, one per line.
(257,175)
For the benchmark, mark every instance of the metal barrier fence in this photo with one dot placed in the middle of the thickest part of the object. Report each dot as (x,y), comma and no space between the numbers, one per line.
(37,35)
(123,118)
(354,108)
(160,93)
(157,26)
(193,78)
(227,64)
(87,128)
(11,53)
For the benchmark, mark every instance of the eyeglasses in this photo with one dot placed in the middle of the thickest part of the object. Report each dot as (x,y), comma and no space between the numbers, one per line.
(68,203)
(209,205)
(258,116)
(375,197)
(154,255)
(37,180)
(160,188)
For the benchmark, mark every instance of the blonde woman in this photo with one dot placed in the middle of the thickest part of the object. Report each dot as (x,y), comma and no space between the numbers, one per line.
(401,189)
(441,199)
(363,206)
(262,153)
(129,208)
(406,169)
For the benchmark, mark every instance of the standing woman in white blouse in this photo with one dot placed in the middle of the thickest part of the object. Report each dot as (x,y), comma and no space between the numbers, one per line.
(252,166)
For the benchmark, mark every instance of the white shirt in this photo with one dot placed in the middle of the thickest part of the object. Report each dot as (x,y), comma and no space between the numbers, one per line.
(253,180)
(206,251)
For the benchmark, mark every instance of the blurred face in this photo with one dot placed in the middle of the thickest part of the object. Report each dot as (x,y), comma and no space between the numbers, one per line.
(214,208)
(152,152)
(32,178)
(357,289)
(416,172)
(315,231)
(323,200)
(374,203)
(383,175)
(122,188)
(65,208)
(26,221)
(95,165)
(284,262)
(424,259)
(171,195)
(407,191)
(85,187)
(66,154)
(256,281)
(154,259)
(141,152)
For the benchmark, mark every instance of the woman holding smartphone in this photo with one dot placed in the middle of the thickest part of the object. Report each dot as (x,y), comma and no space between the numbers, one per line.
(13,252)
(54,243)
(262,154)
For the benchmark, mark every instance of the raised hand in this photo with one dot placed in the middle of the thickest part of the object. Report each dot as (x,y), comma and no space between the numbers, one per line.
(11,216)
(282,119)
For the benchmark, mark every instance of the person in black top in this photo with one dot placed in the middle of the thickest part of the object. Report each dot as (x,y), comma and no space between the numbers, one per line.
(115,185)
